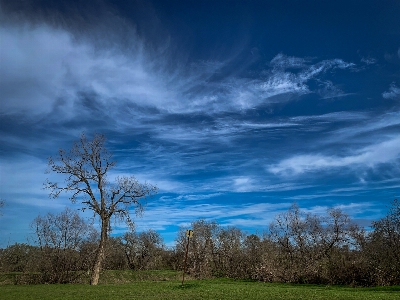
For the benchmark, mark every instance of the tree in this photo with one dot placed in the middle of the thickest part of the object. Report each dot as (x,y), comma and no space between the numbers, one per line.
(17,258)
(201,258)
(230,259)
(383,247)
(85,167)
(144,251)
(60,238)
(66,230)
(1,206)
(307,243)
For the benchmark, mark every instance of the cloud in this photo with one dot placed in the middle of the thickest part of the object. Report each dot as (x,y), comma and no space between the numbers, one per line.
(269,125)
(34,67)
(352,209)
(365,123)
(329,91)
(282,61)
(367,157)
(76,78)
(196,197)
(369,60)
(393,93)
(283,82)
(332,117)
(226,214)
(48,68)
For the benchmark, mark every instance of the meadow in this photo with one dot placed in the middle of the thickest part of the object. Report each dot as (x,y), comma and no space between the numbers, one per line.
(167,285)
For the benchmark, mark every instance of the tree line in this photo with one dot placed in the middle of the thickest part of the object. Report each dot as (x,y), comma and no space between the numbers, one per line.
(298,247)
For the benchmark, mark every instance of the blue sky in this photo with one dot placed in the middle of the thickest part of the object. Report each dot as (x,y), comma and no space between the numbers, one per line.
(234,109)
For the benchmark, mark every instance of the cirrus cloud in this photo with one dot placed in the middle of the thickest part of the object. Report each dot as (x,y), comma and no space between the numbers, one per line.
(368,157)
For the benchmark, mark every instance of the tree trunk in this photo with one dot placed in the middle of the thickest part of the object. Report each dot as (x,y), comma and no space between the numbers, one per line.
(100,253)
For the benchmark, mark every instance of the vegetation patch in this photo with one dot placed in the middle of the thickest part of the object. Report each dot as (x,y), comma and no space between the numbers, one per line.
(229,289)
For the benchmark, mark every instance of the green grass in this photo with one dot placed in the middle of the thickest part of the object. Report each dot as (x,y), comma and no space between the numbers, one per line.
(165,285)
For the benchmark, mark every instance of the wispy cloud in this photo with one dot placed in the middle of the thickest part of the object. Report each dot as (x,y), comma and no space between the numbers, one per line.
(393,93)
(368,60)
(228,214)
(77,77)
(368,157)
(196,197)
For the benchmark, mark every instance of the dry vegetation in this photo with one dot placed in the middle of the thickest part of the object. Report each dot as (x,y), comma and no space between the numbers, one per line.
(298,248)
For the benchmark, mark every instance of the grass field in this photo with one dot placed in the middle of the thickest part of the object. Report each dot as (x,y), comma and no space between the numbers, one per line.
(166,286)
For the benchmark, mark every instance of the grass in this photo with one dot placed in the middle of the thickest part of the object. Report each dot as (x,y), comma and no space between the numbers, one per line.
(165,285)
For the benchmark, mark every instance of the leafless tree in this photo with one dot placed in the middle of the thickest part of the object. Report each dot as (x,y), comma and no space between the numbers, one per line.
(85,167)
(383,247)
(202,255)
(60,238)
(66,230)
(228,255)
(144,251)
(1,206)
(307,242)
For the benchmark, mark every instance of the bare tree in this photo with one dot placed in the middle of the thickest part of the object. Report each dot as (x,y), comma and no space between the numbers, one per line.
(66,230)
(202,256)
(60,238)
(85,167)
(144,250)
(307,242)
(383,247)
(1,206)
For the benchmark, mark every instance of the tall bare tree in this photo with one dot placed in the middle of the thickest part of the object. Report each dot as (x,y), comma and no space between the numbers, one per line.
(85,167)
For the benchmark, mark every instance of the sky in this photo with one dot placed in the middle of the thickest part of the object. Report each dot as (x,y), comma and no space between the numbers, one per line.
(234,109)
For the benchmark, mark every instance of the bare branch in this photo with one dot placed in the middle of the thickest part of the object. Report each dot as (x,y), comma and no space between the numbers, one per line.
(85,167)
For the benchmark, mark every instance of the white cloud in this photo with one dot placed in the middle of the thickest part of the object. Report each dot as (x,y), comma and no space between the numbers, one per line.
(283,61)
(56,70)
(349,208)
(369,60)
(33,67)
(196,197)
(280,187)
(393,93)
(370,156)
(366,123)
(329,91)
(231,214)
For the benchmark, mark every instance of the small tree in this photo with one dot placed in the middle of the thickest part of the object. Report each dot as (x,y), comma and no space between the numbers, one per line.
(85,167)
(383,247)
(201,257)
(144,250)
(60,238)
(307,243)
(1,206)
